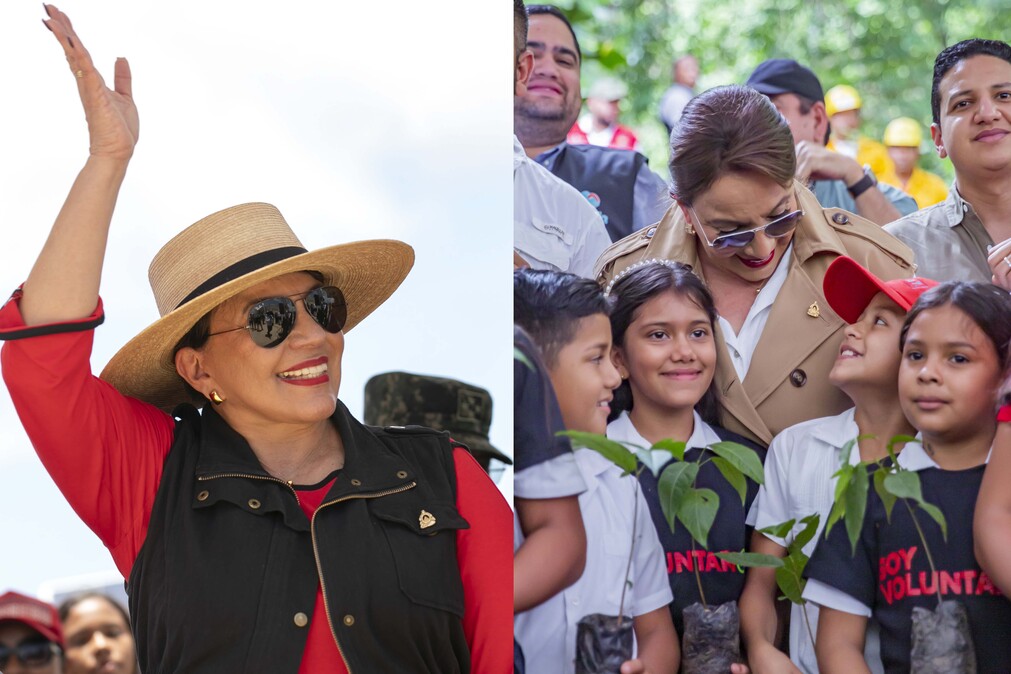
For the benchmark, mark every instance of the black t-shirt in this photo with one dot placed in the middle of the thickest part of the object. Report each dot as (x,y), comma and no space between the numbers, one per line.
(721,581)
(536,415)
(891,574)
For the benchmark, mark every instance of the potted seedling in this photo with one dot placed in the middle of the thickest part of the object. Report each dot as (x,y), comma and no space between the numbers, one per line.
(942,643)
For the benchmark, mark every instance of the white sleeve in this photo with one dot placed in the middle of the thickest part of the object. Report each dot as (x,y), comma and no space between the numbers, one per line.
(772,504)
(593,239)
(652,588)
(554,478)
(825,595)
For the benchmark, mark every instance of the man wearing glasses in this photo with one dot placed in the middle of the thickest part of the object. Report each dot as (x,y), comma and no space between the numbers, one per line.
(31,639)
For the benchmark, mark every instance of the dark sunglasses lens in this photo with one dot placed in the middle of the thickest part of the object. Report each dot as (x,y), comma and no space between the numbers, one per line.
(32,654)
(327,307)
(271,320)
(784,225)
(738,240)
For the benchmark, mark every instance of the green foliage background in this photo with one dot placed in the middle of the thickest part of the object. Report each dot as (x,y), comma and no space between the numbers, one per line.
(885,48)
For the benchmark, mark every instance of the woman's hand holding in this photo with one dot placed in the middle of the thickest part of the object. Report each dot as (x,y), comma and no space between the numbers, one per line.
(113,124)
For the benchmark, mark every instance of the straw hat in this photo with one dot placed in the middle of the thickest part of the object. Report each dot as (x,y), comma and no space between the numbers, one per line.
(224,254)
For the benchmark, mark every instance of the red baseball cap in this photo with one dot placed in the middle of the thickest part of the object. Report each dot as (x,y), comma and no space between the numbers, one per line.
(38,615)
(849,288)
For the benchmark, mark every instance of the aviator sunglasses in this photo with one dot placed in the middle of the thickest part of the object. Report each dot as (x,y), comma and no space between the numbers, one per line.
(271,320)
(776,229)
(30,653)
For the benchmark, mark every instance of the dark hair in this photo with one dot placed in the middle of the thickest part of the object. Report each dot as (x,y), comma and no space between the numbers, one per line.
(549,305)
(68,605)
(729,129)
(955,54)
(988,306)
(558,14)
(521,25)
(642,284)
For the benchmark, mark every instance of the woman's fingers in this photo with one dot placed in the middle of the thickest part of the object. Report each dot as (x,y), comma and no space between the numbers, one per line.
(123,81)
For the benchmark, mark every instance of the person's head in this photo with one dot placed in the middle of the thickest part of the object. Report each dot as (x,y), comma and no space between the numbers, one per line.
(902,138)
(686,70)
(874,311)
(954,343)
(843,103)
(251,320)
(31,640)
(732,166)
(970,100)
(98,637)
(604,100)
(796,92)
(567,318)
(523,58)
(548,108)
(662,325)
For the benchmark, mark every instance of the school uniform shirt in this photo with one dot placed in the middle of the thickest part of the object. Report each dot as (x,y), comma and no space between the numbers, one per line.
(610,504)
(889,574)
(799,481)
(721,581)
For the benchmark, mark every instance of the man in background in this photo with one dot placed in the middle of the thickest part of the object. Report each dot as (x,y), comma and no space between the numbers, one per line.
(600,126)
(674,100)
(903,138)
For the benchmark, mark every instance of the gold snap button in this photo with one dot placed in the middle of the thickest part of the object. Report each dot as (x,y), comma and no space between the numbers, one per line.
(202,496)
(301,619)
(356,482)
(254,504)
(349,620)
(401,474)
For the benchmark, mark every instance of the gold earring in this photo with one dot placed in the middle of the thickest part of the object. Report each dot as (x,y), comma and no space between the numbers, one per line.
(216,398)
(689,230)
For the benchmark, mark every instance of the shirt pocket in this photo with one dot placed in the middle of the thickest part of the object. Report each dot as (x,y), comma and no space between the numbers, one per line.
(422,540)
(545,243)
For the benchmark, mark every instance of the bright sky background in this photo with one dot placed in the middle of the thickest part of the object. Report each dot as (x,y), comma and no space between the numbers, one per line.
(357,120)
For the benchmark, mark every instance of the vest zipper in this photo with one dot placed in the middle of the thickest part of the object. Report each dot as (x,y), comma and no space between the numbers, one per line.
(319,566)
(254,477)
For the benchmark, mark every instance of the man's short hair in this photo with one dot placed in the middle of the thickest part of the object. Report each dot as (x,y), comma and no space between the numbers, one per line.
(521,24)
(955,54)
(558,14)
(549,304)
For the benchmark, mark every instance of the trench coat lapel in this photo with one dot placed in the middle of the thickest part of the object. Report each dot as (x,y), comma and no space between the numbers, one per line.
(733,396)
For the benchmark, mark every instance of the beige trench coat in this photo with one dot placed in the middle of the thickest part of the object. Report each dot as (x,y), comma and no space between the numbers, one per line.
(787,382)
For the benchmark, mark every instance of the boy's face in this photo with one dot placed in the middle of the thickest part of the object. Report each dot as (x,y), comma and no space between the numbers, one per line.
(869,354)
(584,377)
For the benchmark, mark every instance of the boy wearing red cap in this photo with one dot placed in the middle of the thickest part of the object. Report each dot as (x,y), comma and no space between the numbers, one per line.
(31,639)
(802,460)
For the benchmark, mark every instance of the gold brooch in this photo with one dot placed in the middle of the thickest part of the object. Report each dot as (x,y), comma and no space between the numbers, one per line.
(813,311)
(426,519)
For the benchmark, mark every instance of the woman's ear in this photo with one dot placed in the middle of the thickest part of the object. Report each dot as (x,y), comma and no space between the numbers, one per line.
(190,366)
(618,360)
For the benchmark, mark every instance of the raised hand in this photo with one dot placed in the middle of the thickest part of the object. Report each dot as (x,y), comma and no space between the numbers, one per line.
(113,124)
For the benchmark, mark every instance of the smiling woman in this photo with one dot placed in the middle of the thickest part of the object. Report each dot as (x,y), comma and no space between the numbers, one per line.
(762,243)
(234,524)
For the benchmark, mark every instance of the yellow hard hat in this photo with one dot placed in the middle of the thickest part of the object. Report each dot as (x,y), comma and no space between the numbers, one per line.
(840,98)
(903,132)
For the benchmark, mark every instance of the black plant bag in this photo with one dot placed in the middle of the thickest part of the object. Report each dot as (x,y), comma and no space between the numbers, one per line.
(942,643)
(711,640)
(602,645)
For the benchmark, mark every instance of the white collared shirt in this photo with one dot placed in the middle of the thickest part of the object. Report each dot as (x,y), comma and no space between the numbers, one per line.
(622,430)
(547,633)
(742,345)
(554,226)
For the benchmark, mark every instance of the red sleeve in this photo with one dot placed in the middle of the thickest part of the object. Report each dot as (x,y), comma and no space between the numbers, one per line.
(1004,413)
(103,450)
(485,555)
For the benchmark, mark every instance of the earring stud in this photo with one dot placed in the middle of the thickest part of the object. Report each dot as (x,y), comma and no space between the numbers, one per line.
(216,397)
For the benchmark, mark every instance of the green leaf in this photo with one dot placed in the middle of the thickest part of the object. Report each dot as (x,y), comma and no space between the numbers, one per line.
(733,476)
(742,458)
(899,440)
(856,504)
(781,530)
(522,357)
(846,450)
(675,480)
(836,514)
(887,497)
(751,559)
(938,517)
(806,534)
(697,512)
(843,476)
(613,451)
(791,582)
(675,447)
(904,484)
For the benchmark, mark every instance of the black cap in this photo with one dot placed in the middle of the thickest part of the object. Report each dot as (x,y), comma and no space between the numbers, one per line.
(785,76)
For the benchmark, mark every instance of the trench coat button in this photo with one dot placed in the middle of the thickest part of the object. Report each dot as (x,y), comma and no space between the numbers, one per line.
(349,620)
(253,503)
(841,219)
(301,619)
(356,482)
(401,474)
(202,496)
(798,377)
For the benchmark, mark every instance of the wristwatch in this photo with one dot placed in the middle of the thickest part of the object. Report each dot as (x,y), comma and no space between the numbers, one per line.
(864,184)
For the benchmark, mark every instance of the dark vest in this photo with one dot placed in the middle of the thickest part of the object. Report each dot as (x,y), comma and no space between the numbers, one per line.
(226,579)
(605,176)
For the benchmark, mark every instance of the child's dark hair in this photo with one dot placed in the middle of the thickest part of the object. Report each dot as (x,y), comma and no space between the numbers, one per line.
(988,306)
(642,284)
(549,304)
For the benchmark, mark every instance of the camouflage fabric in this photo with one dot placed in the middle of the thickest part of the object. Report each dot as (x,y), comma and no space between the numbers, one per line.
(405,399)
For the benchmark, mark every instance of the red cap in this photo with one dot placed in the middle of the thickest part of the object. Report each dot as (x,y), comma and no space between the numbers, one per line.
(38,615)
(849,288)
